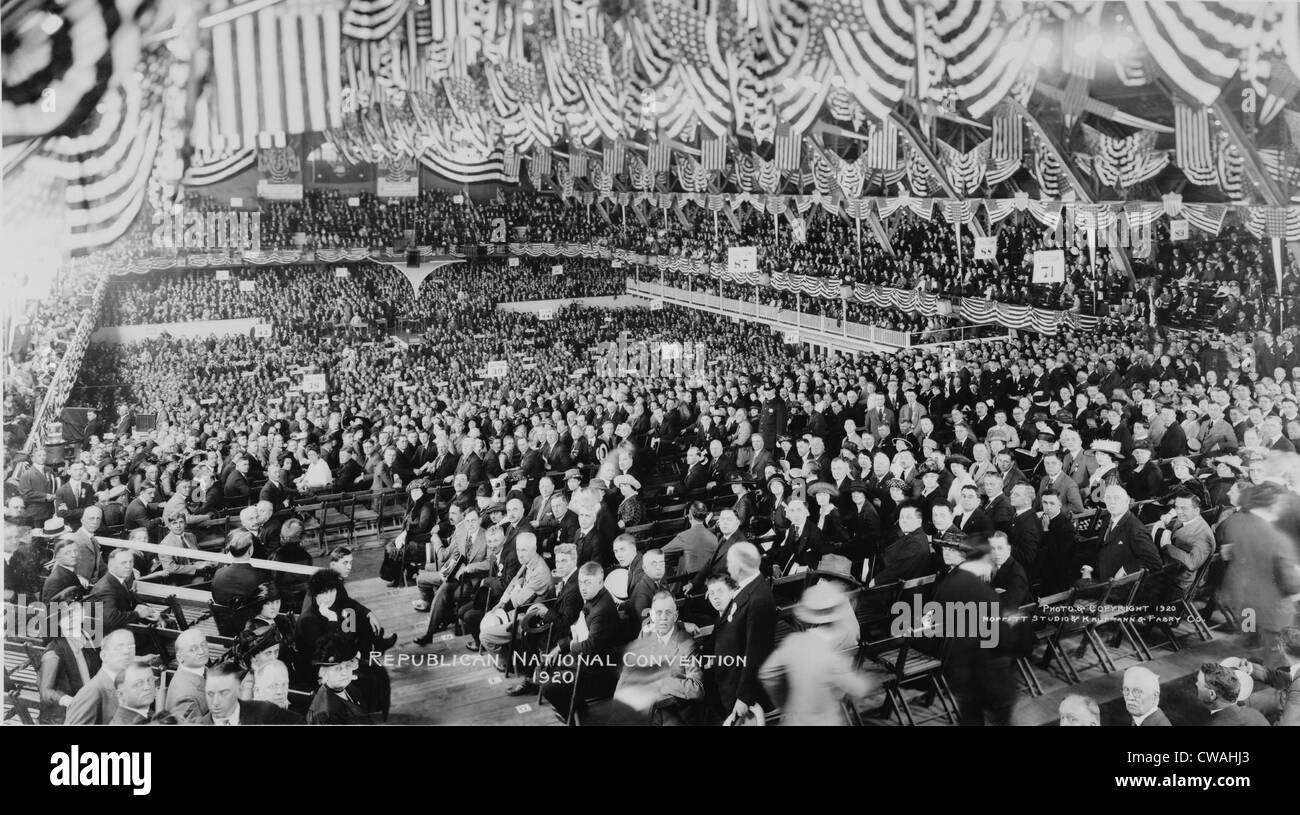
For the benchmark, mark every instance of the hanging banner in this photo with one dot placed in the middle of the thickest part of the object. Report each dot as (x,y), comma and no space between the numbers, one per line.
(279,171)
(313,383)
(262,331)
(1178,229)
(986,248)
(397,178)
(340,271)
(497,368)
(742,260)
(557,270)
(247,285)
(223,274)
(1049,266)
(656,305)
(546,314)
(512,262)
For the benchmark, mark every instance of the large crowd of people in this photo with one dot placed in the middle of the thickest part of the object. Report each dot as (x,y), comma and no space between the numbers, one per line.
(739,512)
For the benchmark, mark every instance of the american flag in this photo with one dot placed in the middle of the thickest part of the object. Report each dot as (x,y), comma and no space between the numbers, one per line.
(613,155)
(510,164)
(542,160)
(1008,135)
(788,144)
(660,152)
(588,59)
(277,70)
(578,161)
(714,152)
(1275,222)
(1193,146)
(882,146)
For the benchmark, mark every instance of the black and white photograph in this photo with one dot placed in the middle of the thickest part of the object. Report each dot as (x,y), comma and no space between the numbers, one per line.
(649,363)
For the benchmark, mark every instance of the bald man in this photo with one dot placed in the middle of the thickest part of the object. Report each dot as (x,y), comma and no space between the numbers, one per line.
(532,584)
(1141,692)
(185,697)
(745,635)
(1079,711)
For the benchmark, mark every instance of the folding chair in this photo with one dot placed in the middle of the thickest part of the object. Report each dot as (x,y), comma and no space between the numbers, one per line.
(1188,612)
(1047,622)
(1078,619)
(1026,615)
(906,665)
(1120,611)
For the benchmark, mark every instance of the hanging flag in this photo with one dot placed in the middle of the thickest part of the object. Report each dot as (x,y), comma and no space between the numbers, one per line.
(510,163)
(714,152)
(613,156)
(1008,135)
(277,71)
(1080,45)
(397,178)
(882,146)
(1193,151)
(542,160)
(279,171)
(578,161)
(657,161)
(788,145)
(1074,99)
(1275,225)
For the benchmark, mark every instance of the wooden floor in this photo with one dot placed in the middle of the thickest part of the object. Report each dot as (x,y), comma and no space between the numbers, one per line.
(442,683)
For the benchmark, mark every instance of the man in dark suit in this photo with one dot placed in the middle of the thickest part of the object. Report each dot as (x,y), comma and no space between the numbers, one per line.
(744,636)
(697,471)
(469,464)
(38,487)
(772,418)
(115,590)
(1219,689)
(237,488)
(74,495)
(64,584)
(1009,579)
(908,556)
(1141,692)
(588,668)
(649,583)
(1055,564)
(1174,440)
(999,508)
(225,708)
(140,513)
(1126,545)
(1026,532)
(803,544)
(136,687)
(971,519)
(275,491)
(977,665)
(96,702)
(236,585)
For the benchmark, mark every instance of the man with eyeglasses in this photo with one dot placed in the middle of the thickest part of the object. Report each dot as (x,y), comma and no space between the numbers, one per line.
(185,695)
(662,673)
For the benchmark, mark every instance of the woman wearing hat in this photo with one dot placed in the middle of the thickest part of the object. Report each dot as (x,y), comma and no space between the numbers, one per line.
(772,504)
(809,674)
(1227,471)
(1107,454)
(1186,481)
(823,494)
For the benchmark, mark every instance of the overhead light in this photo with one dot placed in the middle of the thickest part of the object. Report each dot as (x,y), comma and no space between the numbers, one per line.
(51,23)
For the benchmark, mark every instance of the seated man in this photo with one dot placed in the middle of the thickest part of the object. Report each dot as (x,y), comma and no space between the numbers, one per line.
(530,585)
(116,592)
(96,702)
(186,698)
(1079,711)
(560,616)
(1184,538)
(662,671)
(136,686)
(271,684)
(225,708)
(1219,689)
(237,585)
(585,664)
(182,571)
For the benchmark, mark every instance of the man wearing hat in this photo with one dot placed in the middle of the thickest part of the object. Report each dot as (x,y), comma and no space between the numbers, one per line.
(807,676)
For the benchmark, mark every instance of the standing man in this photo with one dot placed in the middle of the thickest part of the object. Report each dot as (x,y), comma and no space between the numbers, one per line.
(745,635)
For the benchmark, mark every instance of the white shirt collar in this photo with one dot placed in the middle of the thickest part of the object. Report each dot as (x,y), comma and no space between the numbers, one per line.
(233,720)
(199,672)
(747,580)
(1138,720)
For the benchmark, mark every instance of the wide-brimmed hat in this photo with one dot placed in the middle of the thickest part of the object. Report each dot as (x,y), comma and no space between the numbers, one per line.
(573,473)
(52,528)
(957,459)
(739,478)
(1109,446)
(823,486)
(857,485)
(627,480)
(836,565)
(1231,462)
(821,603)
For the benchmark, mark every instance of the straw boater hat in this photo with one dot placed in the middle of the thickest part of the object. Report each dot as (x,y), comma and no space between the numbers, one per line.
(821,603)
(1108,446)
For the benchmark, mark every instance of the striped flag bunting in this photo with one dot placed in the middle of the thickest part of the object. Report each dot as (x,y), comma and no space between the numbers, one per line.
(510,164)
(578,161)
(1008,135)
(614,153)
(276,70)
(788,148)
(103,205)
(1196,45)
(657,160)
(714,152)
(55,76)
(1292,119)
(542,160)
(373,19)
(423,24)
(1080,62)
(1193,151)
(882,146)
